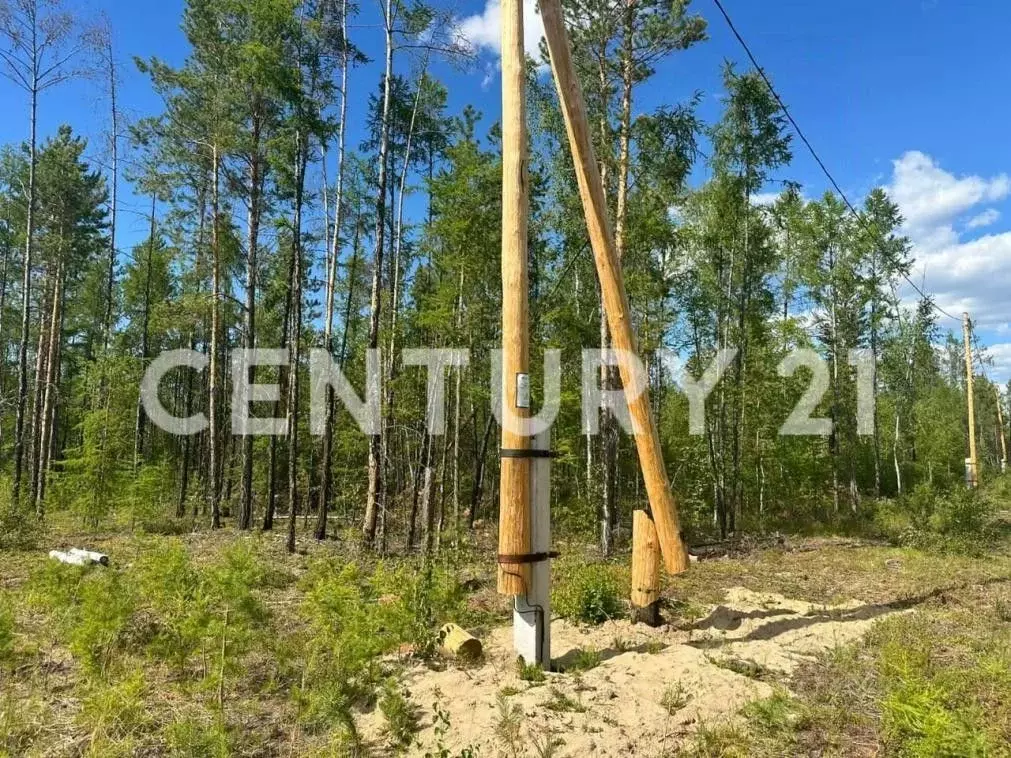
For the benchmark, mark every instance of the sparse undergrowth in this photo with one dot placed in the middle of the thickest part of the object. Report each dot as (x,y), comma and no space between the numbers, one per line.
(930,683)
(105,656)
(212,645)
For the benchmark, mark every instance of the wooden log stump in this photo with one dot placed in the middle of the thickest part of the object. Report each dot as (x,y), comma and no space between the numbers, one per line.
(645,570)
(458,642)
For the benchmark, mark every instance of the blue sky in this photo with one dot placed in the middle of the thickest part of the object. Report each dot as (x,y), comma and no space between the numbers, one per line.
(908,94)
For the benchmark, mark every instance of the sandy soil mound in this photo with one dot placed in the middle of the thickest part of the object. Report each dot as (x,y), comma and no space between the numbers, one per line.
(651,689)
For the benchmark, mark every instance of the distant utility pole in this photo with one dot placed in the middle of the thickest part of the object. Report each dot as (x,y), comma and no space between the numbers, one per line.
(971,463)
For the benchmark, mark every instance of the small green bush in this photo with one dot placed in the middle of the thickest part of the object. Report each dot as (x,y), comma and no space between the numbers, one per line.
(115,711)
(962,513)
(6,632)
(105,607)
(589,593)
(353,619)
(919,718)
(54,587)
(401,715)
(193,737)
(585,659)
(675,697)
(19,530)
(957,521)
(529,672)
(177,599)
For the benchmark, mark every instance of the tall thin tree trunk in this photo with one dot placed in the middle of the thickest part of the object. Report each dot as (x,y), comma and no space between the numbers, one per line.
(38,390)
(301,158)
(214,430)
(253,243)
(456,423)
(110,282)
(49,380)
(140,419)
(26,294)
(373,503)
(281,406)
(326,475)
(480,467)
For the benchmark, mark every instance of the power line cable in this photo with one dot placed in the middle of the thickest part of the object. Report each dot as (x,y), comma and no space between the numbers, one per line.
(814,154)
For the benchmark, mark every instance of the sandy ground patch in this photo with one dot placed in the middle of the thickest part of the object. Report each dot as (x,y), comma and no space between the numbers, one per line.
(724,660)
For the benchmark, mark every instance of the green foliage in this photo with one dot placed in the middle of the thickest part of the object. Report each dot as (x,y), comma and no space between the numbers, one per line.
(95,473)
(675,697)
(563,703)
(7,630)
(19,529)
(179,600)
(54,587)
(957,521)
(443,727)
(161,605)
(584,659)
(191,736)
(508,726)
(587,592)
(148,497)
(402,719)
(529,672)
(117,710)
(923,720)
(354,618)
(105,606)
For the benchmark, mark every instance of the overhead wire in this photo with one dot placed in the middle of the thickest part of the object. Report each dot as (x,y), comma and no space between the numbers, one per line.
(814,153)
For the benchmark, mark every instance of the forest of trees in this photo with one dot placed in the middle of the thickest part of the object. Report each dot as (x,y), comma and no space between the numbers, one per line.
(271,224)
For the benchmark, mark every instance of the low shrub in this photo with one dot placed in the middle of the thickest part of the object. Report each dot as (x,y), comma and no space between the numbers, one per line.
(589,593)
(402,718)
(19,529)
(196,736)
(98,627)
(115,711)
(6,632)
(957,521)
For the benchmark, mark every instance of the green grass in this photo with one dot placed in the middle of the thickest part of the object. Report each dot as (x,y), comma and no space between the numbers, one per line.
(923,684)
(261,647)
(675,697)
(221,644)
(559,702)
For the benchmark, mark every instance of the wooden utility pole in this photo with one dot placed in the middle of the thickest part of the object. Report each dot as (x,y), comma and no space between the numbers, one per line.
(971,463)
(1000,426)
(591,191)
(514,503)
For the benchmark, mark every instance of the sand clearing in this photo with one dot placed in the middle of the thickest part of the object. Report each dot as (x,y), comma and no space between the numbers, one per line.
(616,709)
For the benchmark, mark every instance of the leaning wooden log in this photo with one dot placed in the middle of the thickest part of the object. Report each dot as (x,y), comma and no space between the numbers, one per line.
(612,287)
(458,642)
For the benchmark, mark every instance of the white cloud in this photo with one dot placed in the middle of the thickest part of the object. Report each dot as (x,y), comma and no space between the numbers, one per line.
(987,217)
(764,198)
(1000,357)
(963,272)
(484,30)
(930,197)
